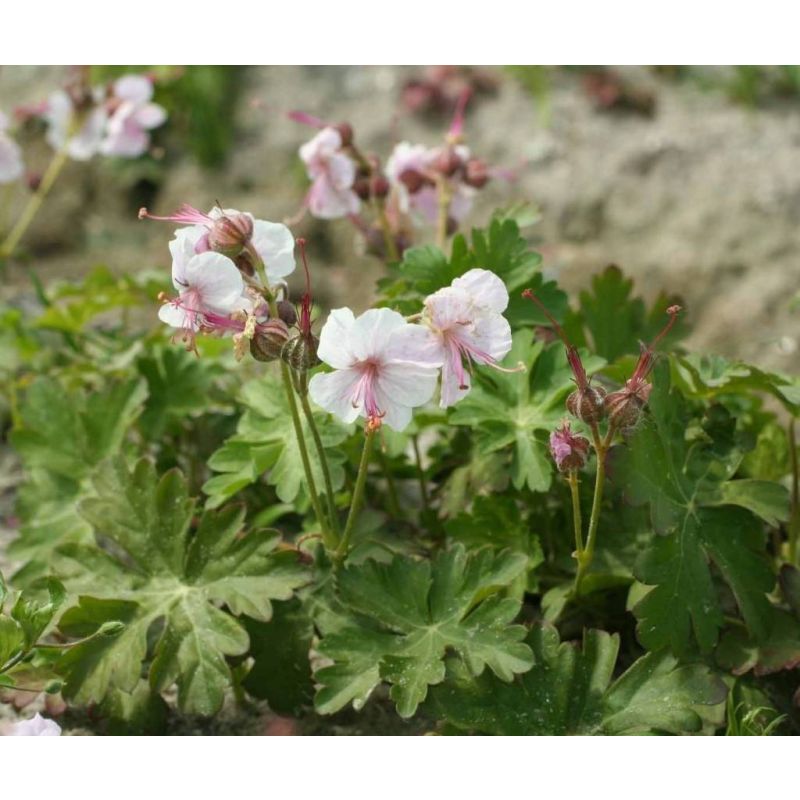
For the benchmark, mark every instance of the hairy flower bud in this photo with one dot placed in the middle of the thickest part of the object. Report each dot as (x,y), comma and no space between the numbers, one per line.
(569,451)
(447,162)
(230,234)
(268,341)
(587,404)
(625,407)
(379,186)
(413,180)
(287,312)
(300,352)
(476,173)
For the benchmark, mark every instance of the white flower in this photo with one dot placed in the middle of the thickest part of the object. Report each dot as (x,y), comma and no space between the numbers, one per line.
(226,228)
(210,289)
(332,176)
(127,131)
(383,367)
(467,325)
(11,166)
(83,143)
(36,726)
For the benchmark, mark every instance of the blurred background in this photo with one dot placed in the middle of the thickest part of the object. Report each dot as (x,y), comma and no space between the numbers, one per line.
(688,178)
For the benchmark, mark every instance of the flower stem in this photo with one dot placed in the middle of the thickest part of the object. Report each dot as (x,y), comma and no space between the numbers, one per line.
(794,519)
(358,494)
(587,554)
(333,516)
(572,480)
(35,201)
(391,488)
(444,210)
(388,237)
(423,487)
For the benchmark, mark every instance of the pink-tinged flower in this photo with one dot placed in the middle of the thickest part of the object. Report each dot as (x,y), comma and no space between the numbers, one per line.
(234,233)
(11,166)
(210,290)
(332,175)
(133,116)
(467,325)
(36,726)
(80,132)
(383,367)
(568,450)
(412,172)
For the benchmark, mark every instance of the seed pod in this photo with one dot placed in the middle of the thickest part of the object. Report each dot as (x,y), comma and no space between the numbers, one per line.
(268,341)
(300,352)
(624,409)
(569,451)
(587,404)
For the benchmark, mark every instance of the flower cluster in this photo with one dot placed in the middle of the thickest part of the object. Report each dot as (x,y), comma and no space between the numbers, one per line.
(385,365)
(433,185)
(224,265)
(114,120)
(11,166)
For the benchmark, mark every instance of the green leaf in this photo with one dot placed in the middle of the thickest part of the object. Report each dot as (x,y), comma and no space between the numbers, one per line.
(779,650)
(159,571)
(684,484)
(33,612)
(569,691)
(411,614)
(62,436)
(515,412)
(265,442)
(281,671)
(12,639)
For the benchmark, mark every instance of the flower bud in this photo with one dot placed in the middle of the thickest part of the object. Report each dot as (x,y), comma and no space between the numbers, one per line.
(447,162)
(361,187)
(625,409)
(587,404)
(300,352)
(568,450)
(476,173)
(229,235)
(379,186)
(287,312)
(268,341)
(413,180)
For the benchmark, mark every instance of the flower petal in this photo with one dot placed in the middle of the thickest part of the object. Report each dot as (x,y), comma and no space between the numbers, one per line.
(334,339)
(417,344)
(334,392)
(11,166)
(485,289)
(134,88)
(275,244)
(150,115)
(372,331)
(217,280)
(406,384)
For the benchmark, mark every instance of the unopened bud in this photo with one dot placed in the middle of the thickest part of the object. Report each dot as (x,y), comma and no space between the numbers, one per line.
(413,180)
(287,312)
(379,186)
(448,162)
(229,235)
(624,407)
(476,173)
(587,404)
(268,341)
(111,628)
(361,187)
(568,450)
(300,353)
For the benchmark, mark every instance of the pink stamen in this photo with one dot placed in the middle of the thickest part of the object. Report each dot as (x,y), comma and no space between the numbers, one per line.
(185,215)
(306,119)
(364,393)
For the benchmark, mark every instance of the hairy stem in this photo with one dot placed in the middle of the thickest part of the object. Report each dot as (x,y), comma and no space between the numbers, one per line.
(386,229)
(323,458)
(572,480)
(35,201)
(587,555)
(423,487)
(444,211)
(358,495)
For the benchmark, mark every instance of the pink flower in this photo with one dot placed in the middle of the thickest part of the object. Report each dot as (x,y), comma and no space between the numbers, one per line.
(81,144)
(383,367)
(132,118)
(568,450)
(11,166)
(36,726)
(233,233)
(467,325)
(332,175)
